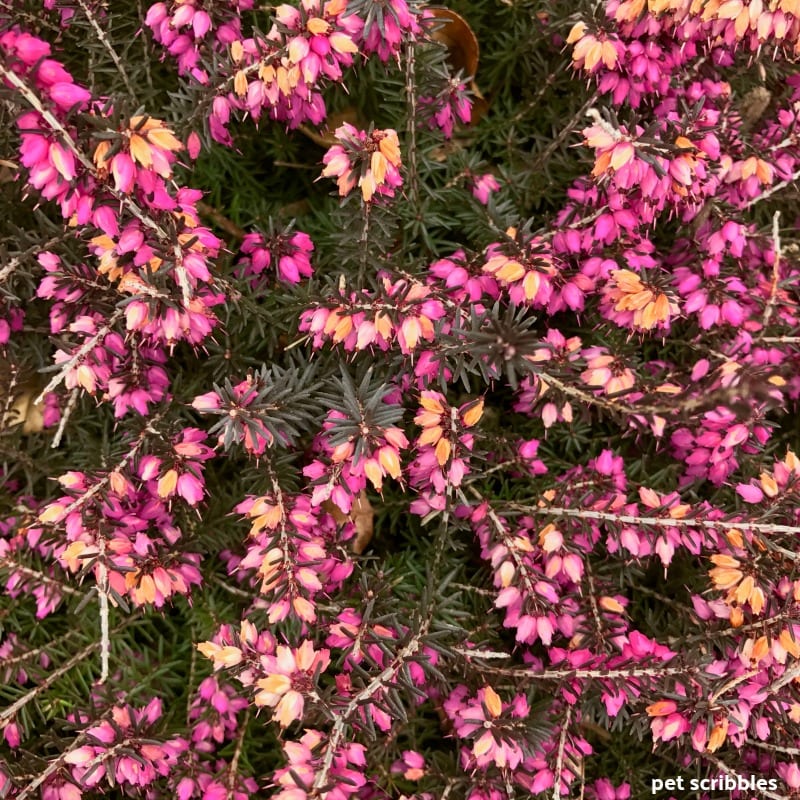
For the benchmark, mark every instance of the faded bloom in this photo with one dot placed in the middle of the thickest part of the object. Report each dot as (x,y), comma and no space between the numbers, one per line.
(369,160)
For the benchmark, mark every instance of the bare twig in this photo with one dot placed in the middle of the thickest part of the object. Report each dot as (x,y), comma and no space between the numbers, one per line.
(104,481)
(566,673)
(769,308)
(9,268)
(102,593)
(62,423)
(565,132)
(662,522)
(6,663)
(34,574)
(773,189)
(220,220)
(52,767)
(82,351)
(376,684)
(562,743)
(237,754)
(411,125)
(101,35)
(10,712)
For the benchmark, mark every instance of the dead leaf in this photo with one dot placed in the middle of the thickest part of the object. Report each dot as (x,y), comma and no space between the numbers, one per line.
(362,515)
(18,389)
(459,39)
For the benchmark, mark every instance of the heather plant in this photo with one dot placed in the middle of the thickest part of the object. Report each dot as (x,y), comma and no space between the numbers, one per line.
(377,424)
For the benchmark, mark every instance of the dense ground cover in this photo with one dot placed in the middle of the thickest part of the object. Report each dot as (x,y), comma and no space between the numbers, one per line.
(399,402)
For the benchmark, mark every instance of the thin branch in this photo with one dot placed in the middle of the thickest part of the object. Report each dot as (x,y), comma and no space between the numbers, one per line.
(62,423)
(662,522)
(46,683)
(104,481)
(566,673)
(774,748)
(34,574)
(773,189)
(6,663)
(732,684)
(52,767)
(237,754)
(52,677)
(769,308)
(377,683)
(411,125)
(564,133)
(220,220)
(9,268)
(101,35)
(102,592)
(562,744)
(362,244)
(79,354)
(789,674)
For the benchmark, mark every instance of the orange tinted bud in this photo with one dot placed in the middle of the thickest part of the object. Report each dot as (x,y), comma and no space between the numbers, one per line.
(390,148)
(550,538)
(378,167)
(430,436)
(768,484)
(101,153)
(304,609)
(663,708)
(374,473)
(734,537)
(494,704)
(722,560)
(140,151)
(317,26)
(511,271)
(679,511)
(443,451)
(342,43)
(390,462)
(431,404)
(757,600)
(612,605)
(167,484)
(473,413)
(164,138)
(118,483)
(578,29)
(788,643)
(760,649)
(506,573)
(240,83)
(226,656)
(724,578)
(86,378)
(718,735)
(743,590)
(52,513)
(620,156)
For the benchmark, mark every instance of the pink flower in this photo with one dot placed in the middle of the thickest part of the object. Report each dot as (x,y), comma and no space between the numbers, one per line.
(483,186)
(289,680)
